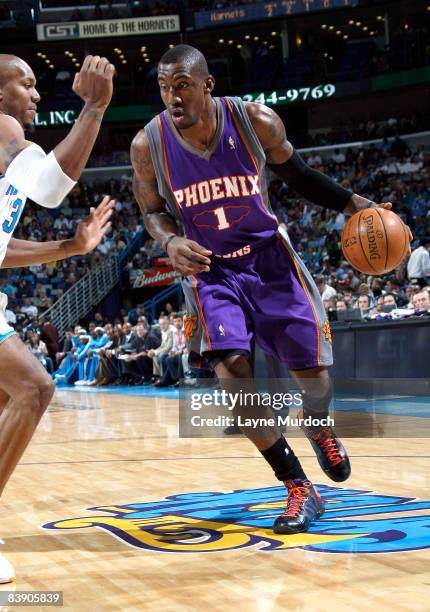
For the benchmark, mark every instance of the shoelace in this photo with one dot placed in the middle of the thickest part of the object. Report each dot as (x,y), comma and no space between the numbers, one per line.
(327,443)
(295,499)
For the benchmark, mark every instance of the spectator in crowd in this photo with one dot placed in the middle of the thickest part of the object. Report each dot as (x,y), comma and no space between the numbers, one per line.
(172,362)
(419,263)
(363,304)
(341,305)
(160,354)
(421,300)
(39,350)
(389,299)
(50,336)
(65,347)
(326,291)
(29,308)
(137,365)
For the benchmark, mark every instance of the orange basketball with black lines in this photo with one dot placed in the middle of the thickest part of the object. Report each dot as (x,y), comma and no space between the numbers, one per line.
(375,241)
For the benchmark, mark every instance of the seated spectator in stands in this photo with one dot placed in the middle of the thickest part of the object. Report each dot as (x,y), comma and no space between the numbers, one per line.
(39,350)
(10,316)
(326,291)
(164,348)
(108,369)
(99,339)
(135,313)
(390,300)
(127,330)
(421,301)
(377,307)
(419,263)
(393,286)
(62,223)
(172,362)
(363,304)
(70,281)
(86,358)
(341,305)
(41,299)
(29,308)
(411,290)
(314,159)
(50,336)
(65,346)
(339,157)
(87,368)
(363,289)
(99,319)
(376,286)
(137,366)
(7,288)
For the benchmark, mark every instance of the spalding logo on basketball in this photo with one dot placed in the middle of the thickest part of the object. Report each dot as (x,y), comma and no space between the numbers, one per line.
(209,522)
(375,241)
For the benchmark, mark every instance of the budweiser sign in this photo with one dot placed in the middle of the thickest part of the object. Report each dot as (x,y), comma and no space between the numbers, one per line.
(155,276)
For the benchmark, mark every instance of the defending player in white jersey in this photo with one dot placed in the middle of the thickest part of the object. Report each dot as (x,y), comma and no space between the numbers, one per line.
(27,172)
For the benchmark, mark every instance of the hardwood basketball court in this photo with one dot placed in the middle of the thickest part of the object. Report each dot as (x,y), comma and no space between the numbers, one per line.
(103,450)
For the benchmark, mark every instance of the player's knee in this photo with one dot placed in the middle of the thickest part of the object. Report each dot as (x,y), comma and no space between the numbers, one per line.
(35,393)
(46,391)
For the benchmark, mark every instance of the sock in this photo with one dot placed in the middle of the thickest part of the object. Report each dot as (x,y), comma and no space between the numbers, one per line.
(283,461)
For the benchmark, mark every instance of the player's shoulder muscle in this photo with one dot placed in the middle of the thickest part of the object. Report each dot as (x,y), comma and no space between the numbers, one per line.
(145,184)
(267,124)
(141,157)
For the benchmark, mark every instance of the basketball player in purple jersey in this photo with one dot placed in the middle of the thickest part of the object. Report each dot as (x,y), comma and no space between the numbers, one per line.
(199,180)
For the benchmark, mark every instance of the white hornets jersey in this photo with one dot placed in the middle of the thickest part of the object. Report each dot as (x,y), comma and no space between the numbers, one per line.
(12,204)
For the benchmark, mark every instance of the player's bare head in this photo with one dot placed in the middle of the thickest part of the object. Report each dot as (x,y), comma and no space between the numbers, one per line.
(185,84)
(18,94)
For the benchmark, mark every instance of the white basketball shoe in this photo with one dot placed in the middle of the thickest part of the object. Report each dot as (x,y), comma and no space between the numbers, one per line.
(7,573)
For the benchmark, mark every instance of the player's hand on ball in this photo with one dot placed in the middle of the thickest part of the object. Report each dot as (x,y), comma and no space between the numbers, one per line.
(91,230)
(94,82)
(358,203)
(187,256)
(389,206)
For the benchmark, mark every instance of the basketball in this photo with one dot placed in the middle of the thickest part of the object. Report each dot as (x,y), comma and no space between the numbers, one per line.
(375,241)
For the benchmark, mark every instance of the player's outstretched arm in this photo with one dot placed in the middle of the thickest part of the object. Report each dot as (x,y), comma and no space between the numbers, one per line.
(89,233)
(285,161)
(94,85)
(47,179)
(187,256)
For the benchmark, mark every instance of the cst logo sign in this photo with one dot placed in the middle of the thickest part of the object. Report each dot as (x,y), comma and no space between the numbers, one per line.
(57,31)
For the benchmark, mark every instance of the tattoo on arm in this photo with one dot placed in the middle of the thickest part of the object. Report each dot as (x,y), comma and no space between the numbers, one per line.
(10,151)
(271,133)
(276,129)
(157,220)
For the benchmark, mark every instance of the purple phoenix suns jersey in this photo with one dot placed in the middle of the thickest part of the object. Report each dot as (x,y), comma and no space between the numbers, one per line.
(219,195)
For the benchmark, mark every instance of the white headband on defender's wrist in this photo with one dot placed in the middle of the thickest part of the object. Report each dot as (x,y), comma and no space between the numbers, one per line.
(39,176)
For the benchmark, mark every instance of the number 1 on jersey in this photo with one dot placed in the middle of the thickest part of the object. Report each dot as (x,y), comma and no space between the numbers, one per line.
(222,219)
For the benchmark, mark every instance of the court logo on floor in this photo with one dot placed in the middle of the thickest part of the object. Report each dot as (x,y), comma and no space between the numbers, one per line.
(209,522)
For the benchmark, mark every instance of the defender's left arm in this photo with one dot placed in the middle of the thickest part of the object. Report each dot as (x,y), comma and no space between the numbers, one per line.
(287,163)
(89,233)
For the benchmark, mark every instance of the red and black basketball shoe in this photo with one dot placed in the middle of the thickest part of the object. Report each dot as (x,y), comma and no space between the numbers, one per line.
(330,452)
(304,505)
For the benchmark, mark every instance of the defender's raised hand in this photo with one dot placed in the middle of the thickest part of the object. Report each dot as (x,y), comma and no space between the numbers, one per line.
(91,230)
(94,82)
